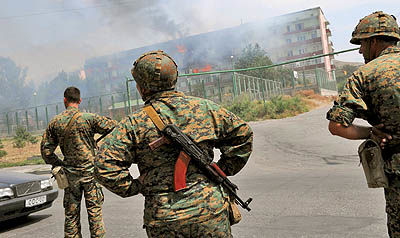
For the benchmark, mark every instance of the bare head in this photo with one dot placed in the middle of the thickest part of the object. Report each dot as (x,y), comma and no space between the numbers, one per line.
(72,97)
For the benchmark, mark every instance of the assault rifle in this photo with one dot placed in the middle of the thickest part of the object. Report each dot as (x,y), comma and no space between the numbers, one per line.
(213,172)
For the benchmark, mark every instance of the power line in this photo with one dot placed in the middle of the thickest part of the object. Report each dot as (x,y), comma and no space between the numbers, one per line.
(66,10)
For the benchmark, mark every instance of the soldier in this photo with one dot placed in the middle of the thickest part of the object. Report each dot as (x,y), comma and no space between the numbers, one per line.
(373,94)
(78,147)
(199,209)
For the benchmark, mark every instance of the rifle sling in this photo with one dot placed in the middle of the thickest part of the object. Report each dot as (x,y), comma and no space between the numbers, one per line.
(67,129)
(183,159)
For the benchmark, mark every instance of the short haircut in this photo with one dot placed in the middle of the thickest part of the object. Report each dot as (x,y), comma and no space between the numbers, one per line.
(72,94)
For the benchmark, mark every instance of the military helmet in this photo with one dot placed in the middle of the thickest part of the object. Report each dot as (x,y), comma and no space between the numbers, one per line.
(155,71)
(375,24)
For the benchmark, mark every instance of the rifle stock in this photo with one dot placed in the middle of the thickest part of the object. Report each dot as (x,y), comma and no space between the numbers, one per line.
(174,134)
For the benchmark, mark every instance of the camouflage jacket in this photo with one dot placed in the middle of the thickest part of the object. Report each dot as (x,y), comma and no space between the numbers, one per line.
(373,93)
(207,123)
(78,149)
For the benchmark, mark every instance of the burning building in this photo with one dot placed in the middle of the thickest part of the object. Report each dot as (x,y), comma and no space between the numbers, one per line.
(287,37)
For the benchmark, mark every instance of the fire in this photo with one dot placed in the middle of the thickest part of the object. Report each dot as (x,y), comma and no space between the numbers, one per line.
(206,68)
(181,48)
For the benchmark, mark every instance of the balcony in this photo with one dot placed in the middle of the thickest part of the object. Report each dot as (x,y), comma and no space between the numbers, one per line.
(286,58)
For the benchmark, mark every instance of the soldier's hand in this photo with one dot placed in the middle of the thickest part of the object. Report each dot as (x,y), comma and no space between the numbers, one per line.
(379,136)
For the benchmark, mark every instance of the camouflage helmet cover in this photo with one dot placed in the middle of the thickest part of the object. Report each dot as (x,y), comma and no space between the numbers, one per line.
(375,24)
(155,71)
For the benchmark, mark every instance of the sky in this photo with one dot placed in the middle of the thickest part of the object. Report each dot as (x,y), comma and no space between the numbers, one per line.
(48,36)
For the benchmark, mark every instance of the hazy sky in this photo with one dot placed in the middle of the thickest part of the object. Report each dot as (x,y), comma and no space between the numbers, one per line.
(50,35)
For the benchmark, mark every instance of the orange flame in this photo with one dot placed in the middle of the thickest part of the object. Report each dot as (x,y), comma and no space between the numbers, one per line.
(207,68)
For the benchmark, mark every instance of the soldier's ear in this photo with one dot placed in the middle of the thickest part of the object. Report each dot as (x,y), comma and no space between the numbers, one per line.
(80,100)
(65,101)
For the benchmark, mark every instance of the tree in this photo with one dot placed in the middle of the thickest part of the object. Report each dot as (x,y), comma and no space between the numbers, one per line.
(22,136)
(253,56)
(15,91)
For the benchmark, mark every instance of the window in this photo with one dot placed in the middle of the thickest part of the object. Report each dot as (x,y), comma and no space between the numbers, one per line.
(288,28)
(313,35)
(288,41)
(299,26)
(290,53)
(301,38)
(302,51)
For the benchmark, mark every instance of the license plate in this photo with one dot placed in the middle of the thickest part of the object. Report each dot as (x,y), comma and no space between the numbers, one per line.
(35,201)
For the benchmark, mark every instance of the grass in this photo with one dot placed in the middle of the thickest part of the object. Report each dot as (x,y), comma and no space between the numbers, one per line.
(34,161)
(244,107)
(276,107)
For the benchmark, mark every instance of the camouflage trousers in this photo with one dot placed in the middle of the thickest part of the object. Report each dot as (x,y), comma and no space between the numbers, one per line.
(216,227)
(392,196)
(94,198)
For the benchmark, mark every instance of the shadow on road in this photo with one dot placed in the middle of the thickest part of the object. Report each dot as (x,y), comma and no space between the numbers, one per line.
(21,222)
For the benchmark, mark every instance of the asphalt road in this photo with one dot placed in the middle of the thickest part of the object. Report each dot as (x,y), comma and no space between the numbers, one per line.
(303,181)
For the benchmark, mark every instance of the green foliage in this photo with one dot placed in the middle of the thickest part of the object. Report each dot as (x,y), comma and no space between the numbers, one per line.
(2,152)
(253,56)
(343,73)
(276,107)
(22,136)
(38,160)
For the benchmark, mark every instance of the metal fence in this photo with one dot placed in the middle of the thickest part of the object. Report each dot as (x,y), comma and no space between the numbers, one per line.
(220,86)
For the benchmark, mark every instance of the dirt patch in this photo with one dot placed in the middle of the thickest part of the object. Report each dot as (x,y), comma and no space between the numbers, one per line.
(314,100)
(15,155)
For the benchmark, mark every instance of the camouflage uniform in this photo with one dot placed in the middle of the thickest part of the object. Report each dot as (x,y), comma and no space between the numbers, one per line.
(373,94)
(78,163)
(200,210)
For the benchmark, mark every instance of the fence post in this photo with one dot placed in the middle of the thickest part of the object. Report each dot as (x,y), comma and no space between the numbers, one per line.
(129,96)
(189,86)
(47,116)
(26,118)
(219,89)
(239,83)
(204,88)
(112,102)
(101,105)
(56,108)
(16,118)
(304,78)
(234,89)
(317,79)
(8,124)
(262,91)
(124,97)
(88,104)
(137,100)
(37,118)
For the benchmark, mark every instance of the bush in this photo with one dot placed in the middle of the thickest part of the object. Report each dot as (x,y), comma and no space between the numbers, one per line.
(2,152)
(276,107)
(22,136)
